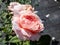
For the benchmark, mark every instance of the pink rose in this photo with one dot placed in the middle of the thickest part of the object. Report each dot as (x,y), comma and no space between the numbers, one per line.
(27,25)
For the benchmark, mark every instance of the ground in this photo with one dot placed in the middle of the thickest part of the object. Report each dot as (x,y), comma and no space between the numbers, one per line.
(52,22)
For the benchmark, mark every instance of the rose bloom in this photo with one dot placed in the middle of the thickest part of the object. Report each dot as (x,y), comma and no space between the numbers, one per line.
(27,26)
(25,23)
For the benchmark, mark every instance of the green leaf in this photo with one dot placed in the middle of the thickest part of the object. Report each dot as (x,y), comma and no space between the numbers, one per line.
(14,40)
(26,43)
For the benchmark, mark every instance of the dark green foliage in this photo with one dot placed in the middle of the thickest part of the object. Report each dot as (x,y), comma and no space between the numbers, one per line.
(44,40)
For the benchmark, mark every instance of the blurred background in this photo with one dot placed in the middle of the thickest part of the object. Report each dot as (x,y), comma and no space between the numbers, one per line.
(48,11)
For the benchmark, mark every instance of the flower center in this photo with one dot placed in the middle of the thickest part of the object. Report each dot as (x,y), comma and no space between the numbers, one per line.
(29,17)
